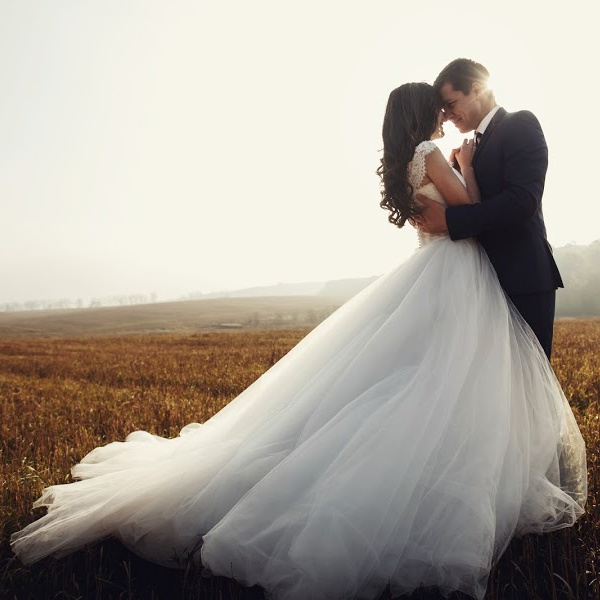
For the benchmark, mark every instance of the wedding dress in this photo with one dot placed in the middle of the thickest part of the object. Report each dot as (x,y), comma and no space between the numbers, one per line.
(405,440)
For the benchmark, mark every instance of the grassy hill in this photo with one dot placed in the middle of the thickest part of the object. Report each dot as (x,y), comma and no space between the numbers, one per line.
(171,317)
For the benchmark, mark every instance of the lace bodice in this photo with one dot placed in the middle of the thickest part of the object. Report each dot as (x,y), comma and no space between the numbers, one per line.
(416,167)
(416,173)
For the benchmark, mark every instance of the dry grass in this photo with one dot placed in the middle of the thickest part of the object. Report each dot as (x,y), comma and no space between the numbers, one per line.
(59,398)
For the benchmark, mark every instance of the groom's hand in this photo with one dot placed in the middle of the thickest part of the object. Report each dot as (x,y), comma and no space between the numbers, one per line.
(433,217)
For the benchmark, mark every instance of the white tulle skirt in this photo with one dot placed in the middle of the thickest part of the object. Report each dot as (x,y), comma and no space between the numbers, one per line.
(405,440)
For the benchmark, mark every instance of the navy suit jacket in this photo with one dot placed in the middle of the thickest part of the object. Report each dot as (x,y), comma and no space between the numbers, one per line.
(510,166)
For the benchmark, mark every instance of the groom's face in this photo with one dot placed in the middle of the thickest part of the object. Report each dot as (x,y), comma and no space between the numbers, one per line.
(465,111)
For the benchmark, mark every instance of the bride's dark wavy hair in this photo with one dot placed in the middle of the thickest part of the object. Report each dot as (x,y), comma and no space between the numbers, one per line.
(411,116)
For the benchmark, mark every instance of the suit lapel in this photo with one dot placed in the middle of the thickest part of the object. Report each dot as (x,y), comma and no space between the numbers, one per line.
(489,132)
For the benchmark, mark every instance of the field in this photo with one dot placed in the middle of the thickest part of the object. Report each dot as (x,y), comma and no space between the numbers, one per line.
(60,397)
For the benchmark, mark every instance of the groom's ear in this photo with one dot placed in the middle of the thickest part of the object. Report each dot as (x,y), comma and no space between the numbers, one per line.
(476,88)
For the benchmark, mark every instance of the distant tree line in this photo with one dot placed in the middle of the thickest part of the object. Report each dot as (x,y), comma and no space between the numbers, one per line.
(64,303)
(579,267)
(580,270)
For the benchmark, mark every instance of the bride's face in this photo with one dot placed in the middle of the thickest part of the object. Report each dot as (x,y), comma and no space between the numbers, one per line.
(439,131)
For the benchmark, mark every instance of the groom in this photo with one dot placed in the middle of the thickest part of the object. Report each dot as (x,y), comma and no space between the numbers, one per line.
(510,163)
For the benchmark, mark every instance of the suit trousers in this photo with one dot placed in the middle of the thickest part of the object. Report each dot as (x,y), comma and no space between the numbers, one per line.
(538,310)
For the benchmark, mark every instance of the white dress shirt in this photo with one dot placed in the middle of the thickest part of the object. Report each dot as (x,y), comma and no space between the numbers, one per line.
(486,120)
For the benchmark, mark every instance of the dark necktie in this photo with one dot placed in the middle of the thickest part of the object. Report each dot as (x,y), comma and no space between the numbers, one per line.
(477,138)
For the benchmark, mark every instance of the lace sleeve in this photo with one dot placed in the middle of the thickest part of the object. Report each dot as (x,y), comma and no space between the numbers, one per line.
(416,167)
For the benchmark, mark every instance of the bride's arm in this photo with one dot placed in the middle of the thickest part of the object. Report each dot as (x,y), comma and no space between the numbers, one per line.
(446,181)
(472,188)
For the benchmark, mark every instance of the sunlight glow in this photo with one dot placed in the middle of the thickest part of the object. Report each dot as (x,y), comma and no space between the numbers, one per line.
(201,146)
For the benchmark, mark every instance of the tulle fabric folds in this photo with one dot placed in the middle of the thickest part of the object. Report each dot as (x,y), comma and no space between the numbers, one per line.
(405,440)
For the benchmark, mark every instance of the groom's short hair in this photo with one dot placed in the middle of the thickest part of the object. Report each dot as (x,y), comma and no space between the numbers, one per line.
(462,73)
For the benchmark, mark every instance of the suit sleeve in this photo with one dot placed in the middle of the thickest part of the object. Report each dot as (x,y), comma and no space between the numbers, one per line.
(525,162)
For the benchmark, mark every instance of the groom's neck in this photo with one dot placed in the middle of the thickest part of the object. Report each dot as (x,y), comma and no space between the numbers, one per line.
(487,105)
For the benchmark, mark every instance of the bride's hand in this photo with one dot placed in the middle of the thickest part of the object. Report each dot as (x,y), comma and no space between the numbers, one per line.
(452,160)
(464,156)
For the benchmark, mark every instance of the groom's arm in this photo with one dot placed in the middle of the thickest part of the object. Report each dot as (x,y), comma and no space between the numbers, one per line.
(525,162)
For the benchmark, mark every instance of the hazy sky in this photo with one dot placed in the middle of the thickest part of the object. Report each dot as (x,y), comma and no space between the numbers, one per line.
(172,146)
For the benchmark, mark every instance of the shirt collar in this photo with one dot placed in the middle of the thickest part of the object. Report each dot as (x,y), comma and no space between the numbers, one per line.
(487,119)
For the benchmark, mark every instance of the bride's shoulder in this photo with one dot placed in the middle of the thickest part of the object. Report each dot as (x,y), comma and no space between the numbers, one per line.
(418,166)
(425,147)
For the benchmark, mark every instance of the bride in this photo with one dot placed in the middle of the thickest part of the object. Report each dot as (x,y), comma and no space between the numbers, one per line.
(403,441)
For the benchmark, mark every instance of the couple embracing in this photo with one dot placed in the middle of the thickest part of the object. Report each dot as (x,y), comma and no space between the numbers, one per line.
(508,159)
(405,440)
